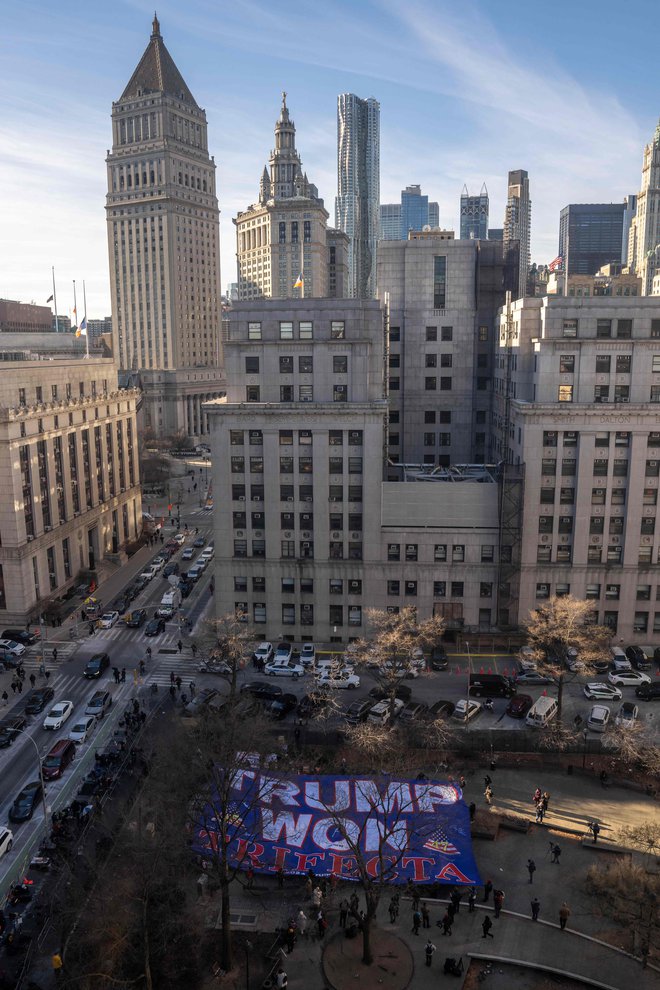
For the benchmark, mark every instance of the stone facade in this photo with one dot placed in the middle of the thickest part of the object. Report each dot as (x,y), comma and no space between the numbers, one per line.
(70,477)
(518,224)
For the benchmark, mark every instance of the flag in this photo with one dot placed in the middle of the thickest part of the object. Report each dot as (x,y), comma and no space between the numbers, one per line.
(50,299)
(299,283)
(439,842)
(82,329)
(557,263)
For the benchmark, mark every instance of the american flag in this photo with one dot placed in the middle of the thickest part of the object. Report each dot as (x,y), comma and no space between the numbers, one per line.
(439,842)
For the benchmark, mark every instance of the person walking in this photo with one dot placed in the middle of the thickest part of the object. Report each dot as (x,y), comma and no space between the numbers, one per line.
(498,901)
(595,830)
(19,685)
(531,868)
(123,675)
(488,886)
(172,677)
(488,794)
(556,853)
(343,913)
(537,795)
(180,646)
(178,683)
(429,949)
(417,920)
(193,650)
(115,674)
(33,680)
(13,687)
(301,921)
(564,915)
(472,896)
(488,780)
(290,938)
(426,917)
(191,686)
(539,812)
(47,676)
(322,923)
(447,922)
(486,926)
(5,699)
(55,656)
(455,898)
(415,900)
(536,907)
(392,908)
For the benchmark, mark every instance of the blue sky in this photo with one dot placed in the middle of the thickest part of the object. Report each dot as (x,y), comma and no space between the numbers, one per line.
(467,91)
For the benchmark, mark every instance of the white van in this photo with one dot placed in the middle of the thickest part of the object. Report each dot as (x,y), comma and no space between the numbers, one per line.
(542,712)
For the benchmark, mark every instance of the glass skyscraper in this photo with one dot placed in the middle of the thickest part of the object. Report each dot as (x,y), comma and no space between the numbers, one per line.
(414,212)
(590,236)
(474,215)
(357,207)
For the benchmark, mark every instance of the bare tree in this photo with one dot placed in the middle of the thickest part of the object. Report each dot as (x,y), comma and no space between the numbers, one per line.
(633,747)
(630,896)
(559,626)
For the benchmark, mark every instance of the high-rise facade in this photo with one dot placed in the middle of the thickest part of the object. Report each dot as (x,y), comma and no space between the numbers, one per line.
(590,236)
(414,212)
(284,235)
(390,221)
(518,223)
(163,241)
(357,207)
(474,215)
(644,238)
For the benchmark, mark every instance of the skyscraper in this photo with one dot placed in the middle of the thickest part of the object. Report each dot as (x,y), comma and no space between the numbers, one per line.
(474,215)
(163,242)
(358,188)
(644,241)
(414,212)
(518,222)
(283,235)
(590,236)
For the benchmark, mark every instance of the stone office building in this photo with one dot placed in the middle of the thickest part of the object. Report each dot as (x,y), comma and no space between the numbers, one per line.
(70,477)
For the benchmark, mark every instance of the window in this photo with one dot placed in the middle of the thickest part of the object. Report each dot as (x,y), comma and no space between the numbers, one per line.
(395,361)
(655,328)
(641,622)
(655,393)
(546,524)
(603,328)
(611,620)
(336,493)
(655,363)
(622,393)
(485,589)
(597,525)
(570,438)
(251,365)
(395,334)
(616,525)
(439,589)
(445,384)
(457,553)
(336,615)
(487,553)
(549,438)
(393,439)
(239,520)
(548,466)
(286,465)
(240,584)
(570,328)
(238,493)
(650,496)
(240,548)
(439,552)
(456,589)
(305,393)
(647,525)
(395,384)
(612,591)
(286,330)
(603,364)
(394,551)
(429,416)
(652,469)
(564,555)
(237,465)
(561,590)
(483,334)
(543,554)
(288,585)
(600,467)
(430,361)
(542,590)
(445,416)
(624,329)
(429,439)
(339,393)
(594,555)
(288,614)
(286,364)
(444,440)
(565,524)
(410,588)
(256,465)
(618,496)
(431,333)
(430,384)
(439,282)
(394,416)
(393,587)
(623,364)
(257,493)
(593,591)
(602,393)
(411,551)
(620,467)
(340,364)
(335,438)
(286,393)
(288,548)
(259,612)
(336,465)
(447,334)
(236,438)
(643,592)
(252,393)
(565,393)
(355,465)
(602,440)
(337,330)
(566,364)
(567,496)
(355,615)
(645,555)
(305,330)
(445,360)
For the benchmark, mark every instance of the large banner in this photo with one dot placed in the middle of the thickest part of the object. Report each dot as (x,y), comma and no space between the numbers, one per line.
(402,830)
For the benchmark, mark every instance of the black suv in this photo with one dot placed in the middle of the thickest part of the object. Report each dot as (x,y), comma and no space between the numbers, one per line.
(10,727)
(439,659)
(37,700)
(20,636)
(262,690)
(357,711)
(648,692)
(638,657)
(96,665)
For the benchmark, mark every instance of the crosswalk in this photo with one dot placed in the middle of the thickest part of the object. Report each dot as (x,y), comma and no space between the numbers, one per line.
(65,650)
(181,665)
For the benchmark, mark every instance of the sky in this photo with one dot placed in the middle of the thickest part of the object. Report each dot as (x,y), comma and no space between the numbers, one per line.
(467,91)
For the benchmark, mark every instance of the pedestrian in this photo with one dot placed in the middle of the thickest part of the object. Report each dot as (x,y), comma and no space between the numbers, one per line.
(172,677)
(19,685)
(488,886)
(178,683)
(115,674)
(180,646)
(281,979)
(415,900)
(13,686)
(488,794)
(392,911)
(472,810)
(603,778)
(564,915)
(5,699)
(354,902)
(545,798)
(193,650)
(308,887)
(58,966)
(417,920)
(123,675)
(595,829)
(172,692)
(536,907)
(55,656)
(426,917)
(47,676)
(429,949)
(343,913)
(455,898)
(322,923)
(498,901)
(447,922)
(317,897)
(249,878)
(290,939)
(539,812)
(33,680)
(472,896)
(531,867)
(486,926)
(461,781)
(301,921)
(488,781)
(556,853)
(537,795)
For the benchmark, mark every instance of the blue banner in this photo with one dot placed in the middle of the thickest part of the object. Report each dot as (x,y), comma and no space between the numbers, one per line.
(398,829)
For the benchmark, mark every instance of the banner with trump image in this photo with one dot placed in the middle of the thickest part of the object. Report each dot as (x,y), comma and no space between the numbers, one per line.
(388,828)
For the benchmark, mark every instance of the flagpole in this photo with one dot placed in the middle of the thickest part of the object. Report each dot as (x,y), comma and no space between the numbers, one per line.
(302,270)
(75,304)
(86,328)
(57,324)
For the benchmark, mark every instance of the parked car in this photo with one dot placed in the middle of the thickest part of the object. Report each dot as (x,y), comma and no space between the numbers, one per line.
(82,729)
(179,539)
(10,728)
(527,658)
(199,541)
(58,715)
(466,710)
(185,587)
(154,627)
(58,759)
(136,618)
(358,711)
(147,574)
(638,657)
(38,699)
(202,699)
(413,711)
(207,553)
(314,703)
(188,553)
(159,562)
(627,715)
(25,802)
(171,568)
(441,709)
(20,636)
(195,573)
(533,677)
(274,669)
(120,604)
(96,665)
(6,840)
(439,658)
(11,646)
(344,679)
(383,711)
(99,704)
(140,583)
(598,719)
(402,692)
(619,659)
(628,678)
(308,655)
(262,690)
(602,691)
(648,692)
(9,660)
(263,654)
(132,592)
(279,708)
(519,705)
(282,653)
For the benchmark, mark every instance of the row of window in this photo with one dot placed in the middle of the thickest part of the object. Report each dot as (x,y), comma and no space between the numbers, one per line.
(621,329)
(623,363)
(456,589)
(305,520)
(305,493)
(604,393)
(354,438)
(336,614)
(596,525)
(305,393)
(612,554)
(570,438)
(610,617)
(305,364)
(336,586)
(68,392)
(598,496)
(593,591)
(305,330)
(457,554)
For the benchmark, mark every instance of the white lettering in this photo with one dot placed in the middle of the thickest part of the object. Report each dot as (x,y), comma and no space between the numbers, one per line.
(342,796)
(285,826)
(339,827)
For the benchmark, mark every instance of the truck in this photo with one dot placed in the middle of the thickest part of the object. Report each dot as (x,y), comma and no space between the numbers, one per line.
(170,602)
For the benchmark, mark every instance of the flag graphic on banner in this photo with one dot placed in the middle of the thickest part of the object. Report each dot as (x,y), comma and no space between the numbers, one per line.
(439,842)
